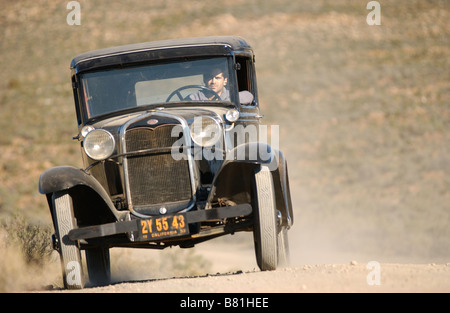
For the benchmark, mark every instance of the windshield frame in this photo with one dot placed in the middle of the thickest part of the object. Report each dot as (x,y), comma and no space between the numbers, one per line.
(83,91)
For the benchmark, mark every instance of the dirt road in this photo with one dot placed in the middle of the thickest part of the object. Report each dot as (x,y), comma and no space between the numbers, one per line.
(309,278)
(233,270)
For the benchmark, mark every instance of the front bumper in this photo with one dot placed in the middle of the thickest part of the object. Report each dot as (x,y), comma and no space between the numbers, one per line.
(132,226)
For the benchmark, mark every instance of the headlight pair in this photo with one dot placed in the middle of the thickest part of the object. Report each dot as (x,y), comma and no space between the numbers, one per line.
(99,144)
(205,131)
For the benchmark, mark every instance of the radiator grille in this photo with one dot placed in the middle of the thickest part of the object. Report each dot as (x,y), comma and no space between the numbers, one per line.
(156,178)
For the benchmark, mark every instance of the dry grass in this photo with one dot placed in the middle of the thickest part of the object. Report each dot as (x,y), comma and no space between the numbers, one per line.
(32,240)
(28,262)
(363,110)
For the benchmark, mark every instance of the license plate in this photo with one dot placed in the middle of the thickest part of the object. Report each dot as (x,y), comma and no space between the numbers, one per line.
(157,228)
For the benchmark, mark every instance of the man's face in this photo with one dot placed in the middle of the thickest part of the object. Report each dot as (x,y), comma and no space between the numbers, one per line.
(217,83)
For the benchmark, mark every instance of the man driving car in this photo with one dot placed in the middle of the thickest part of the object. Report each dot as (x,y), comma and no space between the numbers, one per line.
(215,80)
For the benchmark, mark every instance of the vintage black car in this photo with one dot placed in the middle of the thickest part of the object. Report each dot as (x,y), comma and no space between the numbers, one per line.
(173,156)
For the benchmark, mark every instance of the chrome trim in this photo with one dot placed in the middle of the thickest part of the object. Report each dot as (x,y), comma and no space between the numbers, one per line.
(186,132)
(249,115)
(108,134)
(219,125)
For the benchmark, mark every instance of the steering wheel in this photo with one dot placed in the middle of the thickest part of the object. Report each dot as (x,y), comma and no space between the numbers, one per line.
(205,89)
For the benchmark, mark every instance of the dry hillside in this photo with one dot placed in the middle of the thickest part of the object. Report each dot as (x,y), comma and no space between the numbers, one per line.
(364,111)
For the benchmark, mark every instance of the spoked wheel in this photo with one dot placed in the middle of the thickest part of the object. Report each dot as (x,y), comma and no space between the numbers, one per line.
(69,251)
(265,222)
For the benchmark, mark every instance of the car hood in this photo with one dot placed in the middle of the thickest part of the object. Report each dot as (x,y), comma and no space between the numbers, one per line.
(161,114)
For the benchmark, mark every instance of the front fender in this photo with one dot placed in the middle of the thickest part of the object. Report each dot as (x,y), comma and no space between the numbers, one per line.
(253,152)
(234,179)
(67,177)
(282,190)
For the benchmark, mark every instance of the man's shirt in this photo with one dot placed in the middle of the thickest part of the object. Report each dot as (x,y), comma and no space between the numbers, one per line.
(200,95)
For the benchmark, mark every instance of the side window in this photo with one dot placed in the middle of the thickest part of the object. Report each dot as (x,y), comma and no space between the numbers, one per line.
(243,73)
(244,77)
(76,97)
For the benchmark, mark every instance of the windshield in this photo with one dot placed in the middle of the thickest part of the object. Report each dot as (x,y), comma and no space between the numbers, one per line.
(120,89)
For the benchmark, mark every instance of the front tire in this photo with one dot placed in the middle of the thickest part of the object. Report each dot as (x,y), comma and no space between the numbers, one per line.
(283,248)
(69,251)
(265,222)
(98,265)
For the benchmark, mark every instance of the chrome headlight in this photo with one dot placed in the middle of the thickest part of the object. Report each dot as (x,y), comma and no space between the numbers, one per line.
(232,115)
(99,144)
(205,131)
(86,130)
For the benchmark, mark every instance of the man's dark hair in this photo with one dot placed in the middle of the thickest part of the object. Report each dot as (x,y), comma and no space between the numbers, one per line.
(212,72)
